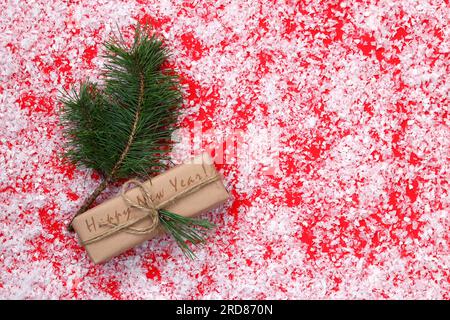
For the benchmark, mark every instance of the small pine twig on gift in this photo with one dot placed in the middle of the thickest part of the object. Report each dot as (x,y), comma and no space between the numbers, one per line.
(185,229)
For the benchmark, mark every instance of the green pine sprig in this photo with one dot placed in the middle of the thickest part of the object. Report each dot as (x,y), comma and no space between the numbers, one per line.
(185,229)
(122,128)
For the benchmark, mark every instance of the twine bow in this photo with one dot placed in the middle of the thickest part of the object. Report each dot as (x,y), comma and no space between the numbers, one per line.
(148,207)
(182,228)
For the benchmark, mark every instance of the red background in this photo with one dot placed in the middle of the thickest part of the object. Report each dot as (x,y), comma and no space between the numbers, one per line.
(357,93)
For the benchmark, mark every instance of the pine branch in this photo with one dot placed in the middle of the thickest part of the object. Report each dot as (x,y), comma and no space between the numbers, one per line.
(123,129)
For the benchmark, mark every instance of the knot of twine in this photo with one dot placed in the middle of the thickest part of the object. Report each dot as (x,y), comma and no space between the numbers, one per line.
(146,206)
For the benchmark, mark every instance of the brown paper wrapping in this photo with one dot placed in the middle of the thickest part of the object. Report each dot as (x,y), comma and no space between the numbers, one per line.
(174,181)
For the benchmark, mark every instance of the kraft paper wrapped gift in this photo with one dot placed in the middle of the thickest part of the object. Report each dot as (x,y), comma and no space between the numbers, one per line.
(198,184)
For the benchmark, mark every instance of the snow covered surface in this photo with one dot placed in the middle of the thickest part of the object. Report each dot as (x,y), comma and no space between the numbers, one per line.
(340,178)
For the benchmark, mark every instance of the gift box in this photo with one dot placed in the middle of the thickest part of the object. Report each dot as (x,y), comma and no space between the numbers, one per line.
(187,189)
